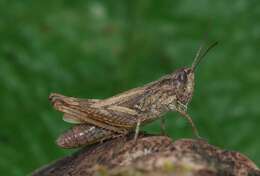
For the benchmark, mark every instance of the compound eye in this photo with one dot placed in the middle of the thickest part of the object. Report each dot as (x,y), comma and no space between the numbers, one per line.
(182,76)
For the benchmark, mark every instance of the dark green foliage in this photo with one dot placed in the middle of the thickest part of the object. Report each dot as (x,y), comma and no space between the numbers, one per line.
(95,49)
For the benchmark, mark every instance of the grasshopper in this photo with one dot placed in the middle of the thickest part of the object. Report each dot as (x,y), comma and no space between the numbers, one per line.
(125,112)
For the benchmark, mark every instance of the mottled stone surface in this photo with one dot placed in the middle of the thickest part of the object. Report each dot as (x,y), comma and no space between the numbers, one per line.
(152,155)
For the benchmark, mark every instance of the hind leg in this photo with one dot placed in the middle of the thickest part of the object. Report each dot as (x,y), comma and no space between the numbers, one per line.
(137,129)
(162,126)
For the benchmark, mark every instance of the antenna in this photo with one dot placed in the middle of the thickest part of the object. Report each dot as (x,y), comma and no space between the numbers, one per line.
(200,55)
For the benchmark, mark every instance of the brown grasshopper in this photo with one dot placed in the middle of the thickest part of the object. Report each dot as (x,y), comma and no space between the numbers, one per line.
(121,114)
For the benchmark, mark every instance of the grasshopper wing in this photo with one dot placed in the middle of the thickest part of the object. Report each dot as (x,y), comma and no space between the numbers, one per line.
(119,113)
(80,111)
(108,113)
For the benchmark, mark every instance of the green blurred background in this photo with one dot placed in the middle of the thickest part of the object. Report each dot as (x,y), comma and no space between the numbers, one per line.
(95,49)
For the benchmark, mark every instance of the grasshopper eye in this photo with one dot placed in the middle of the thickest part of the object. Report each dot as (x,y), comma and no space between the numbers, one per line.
(182,76)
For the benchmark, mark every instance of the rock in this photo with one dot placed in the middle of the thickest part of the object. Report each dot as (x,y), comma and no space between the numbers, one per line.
(152,155)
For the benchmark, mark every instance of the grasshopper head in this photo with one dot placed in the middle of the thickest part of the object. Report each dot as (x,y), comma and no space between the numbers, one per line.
(184,77)
(184,84)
